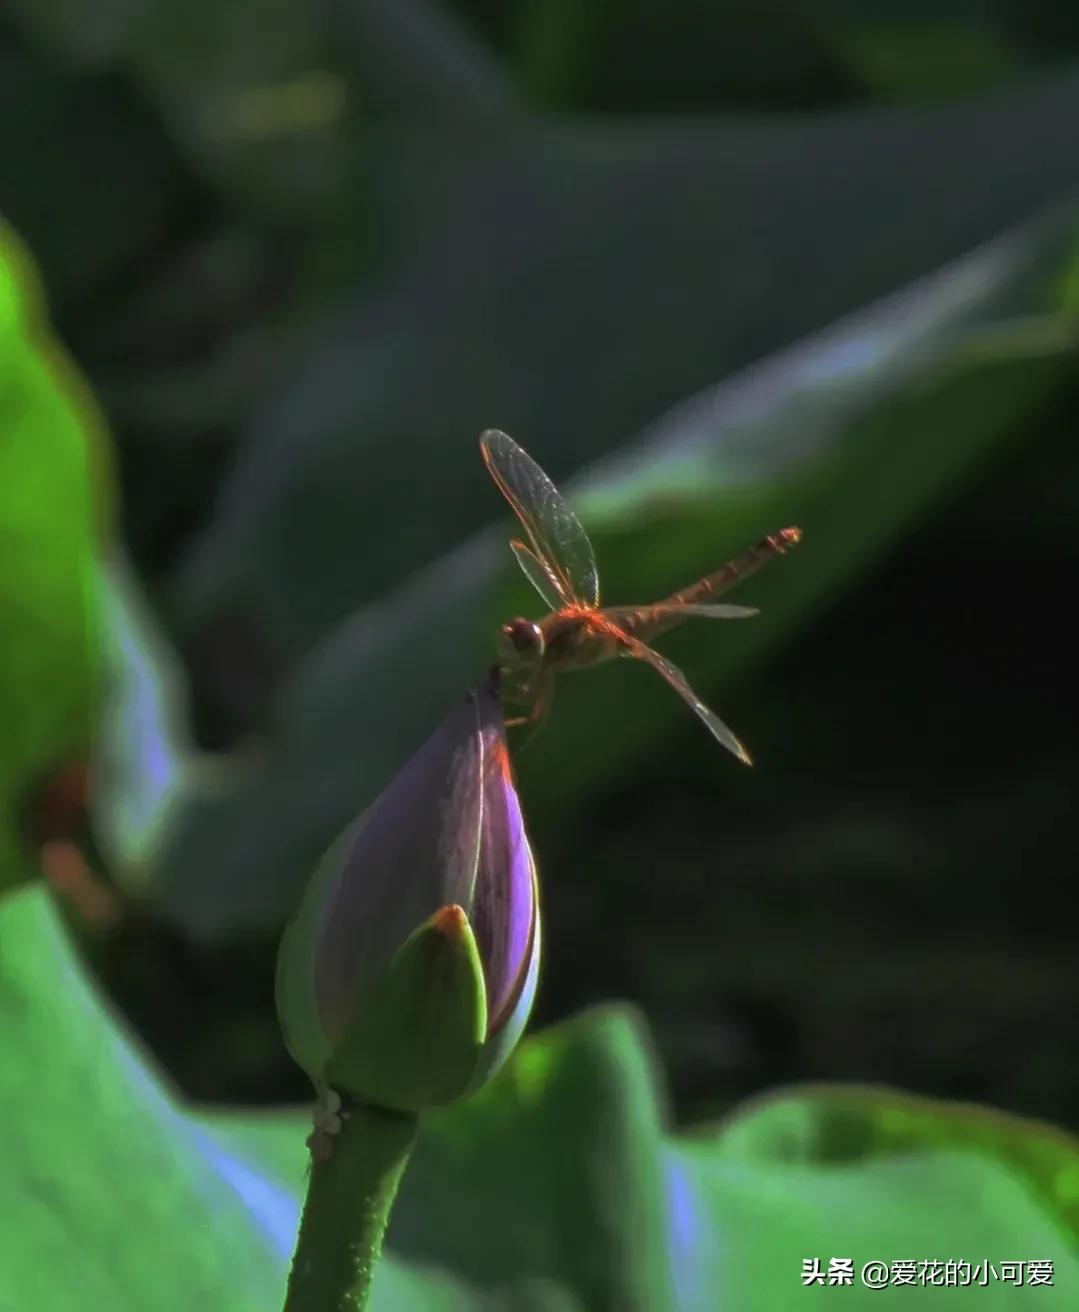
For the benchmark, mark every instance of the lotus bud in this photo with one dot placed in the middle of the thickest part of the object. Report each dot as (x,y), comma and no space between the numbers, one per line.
(408,972)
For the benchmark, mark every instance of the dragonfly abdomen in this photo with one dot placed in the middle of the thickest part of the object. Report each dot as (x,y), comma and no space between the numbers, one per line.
(649,622)
(741,567)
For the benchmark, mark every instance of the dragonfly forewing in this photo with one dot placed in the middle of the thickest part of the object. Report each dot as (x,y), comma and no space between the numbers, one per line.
(649,622)
(554,531)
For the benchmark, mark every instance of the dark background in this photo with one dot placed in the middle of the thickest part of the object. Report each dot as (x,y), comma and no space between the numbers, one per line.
(305,253)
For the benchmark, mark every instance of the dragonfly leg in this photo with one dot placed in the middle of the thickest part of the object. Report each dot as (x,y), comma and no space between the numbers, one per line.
(543,696)
(536,692)
(518,692)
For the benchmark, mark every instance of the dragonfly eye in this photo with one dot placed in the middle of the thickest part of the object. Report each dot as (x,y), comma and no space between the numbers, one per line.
(520,641)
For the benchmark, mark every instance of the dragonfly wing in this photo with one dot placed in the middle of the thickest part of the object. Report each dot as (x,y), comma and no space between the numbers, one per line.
(680,684)
(646,623)
(716,611)
(539,575)
(556,535)
(626,616)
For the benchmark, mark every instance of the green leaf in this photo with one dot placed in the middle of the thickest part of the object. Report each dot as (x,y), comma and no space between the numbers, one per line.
(144,760)
(416,60)
(551,1172)
(841,1124)
(571,1133)
(735,1219)
(249,92)
(52,494)
(571,1177)
(88,127)
(113,1196)
(934,57)
(935,1205)
(659,56)
(873,1174)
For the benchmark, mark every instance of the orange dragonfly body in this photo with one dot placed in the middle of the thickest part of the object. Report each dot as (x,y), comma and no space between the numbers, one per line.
(559,561)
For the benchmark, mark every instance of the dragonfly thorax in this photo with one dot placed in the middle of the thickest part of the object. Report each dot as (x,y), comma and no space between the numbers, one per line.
(520,642)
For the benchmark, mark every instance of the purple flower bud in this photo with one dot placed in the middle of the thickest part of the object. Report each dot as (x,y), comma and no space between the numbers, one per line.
(447,832)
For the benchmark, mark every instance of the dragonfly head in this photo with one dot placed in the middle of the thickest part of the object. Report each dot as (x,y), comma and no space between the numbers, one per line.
(520,642)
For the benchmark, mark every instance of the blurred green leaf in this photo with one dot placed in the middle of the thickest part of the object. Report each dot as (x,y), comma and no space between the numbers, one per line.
(166,1209)
(113,1197)
(414,60)
(143,759)
(935,49)
(90,35)
(929,59)
(110,1199)
(852,435)
(247,91)
(627,1216)
(842,1124)
(930,1205)
(725,1219)
(53,502)
(572,1133)
(685,56)
(88,126)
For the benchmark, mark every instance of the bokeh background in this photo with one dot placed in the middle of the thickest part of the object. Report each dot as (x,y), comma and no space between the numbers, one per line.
(720,267)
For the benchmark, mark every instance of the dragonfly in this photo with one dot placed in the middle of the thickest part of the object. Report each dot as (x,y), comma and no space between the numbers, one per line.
(559,562)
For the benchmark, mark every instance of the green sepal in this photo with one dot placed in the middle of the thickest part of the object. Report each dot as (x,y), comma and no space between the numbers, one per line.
(418,1034)
(294,986)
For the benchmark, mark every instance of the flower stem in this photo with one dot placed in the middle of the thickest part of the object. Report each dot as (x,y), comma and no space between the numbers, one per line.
(349,1196)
